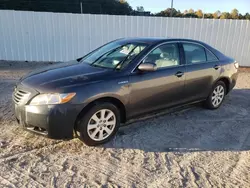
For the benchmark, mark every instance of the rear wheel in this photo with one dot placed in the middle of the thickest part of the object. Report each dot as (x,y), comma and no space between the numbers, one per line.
(216,96)
(99,124)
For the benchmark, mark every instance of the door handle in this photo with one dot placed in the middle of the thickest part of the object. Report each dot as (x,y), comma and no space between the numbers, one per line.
(216,67)
(179,74)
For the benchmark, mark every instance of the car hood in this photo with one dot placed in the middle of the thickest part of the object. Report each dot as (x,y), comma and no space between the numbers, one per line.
(62,75)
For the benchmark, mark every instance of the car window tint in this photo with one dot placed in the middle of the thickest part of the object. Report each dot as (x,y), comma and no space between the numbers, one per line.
(166,55)
(211,56)
(194,53)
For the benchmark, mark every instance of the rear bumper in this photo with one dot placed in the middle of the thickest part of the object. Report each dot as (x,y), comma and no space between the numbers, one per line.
(53,121)
(233,81)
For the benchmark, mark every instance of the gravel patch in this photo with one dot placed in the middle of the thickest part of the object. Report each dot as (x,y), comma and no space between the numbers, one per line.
(193,147)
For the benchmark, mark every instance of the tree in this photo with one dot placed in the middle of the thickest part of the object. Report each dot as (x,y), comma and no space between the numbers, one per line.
(225,15)
(208,15)
(116,7)
(217,14)
(140,9)
(191,11)
(185,12)
(247,16)
(179,14)
(120,7)
(235,14)
(199,13)
(190,15)
(241,17)
(167,13)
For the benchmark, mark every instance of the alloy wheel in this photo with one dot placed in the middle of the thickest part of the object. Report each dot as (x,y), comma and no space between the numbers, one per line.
(218,95)
(101,124)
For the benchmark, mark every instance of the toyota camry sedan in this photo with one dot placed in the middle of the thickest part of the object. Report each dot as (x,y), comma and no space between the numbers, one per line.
(92,96)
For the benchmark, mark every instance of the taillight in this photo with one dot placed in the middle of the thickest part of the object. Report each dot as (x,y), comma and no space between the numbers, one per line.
(236,64)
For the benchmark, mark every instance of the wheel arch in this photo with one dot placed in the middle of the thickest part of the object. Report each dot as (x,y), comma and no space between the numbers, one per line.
(113,100)
(226,82)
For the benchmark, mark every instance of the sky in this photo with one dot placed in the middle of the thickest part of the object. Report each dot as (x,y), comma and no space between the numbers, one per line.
(207,6)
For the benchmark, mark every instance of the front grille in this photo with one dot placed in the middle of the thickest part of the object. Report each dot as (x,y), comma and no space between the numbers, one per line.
(20,95)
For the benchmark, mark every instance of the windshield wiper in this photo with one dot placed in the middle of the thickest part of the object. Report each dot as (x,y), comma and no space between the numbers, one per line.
(121,62)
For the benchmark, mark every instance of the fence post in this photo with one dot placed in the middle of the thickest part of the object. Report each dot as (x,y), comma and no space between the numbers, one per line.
(81,6)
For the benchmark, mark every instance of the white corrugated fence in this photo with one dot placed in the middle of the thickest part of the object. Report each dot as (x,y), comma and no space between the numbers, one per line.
(43,36)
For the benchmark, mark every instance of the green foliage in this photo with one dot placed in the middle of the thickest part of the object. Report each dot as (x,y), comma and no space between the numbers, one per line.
(217,14)
(225,15)
(116,7)
(191,11)
(241,17)
(247,16)
(199,13)
(140,9)
(208,15)
(235,14)
(167,13)
(190,15)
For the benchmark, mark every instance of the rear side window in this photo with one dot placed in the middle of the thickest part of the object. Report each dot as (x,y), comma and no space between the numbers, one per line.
(211,56)
(194,53)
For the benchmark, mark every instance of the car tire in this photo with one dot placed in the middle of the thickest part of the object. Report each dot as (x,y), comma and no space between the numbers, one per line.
(99,124)
(216,96)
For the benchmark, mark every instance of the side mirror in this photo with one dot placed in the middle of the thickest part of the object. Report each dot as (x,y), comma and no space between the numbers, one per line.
(147,67)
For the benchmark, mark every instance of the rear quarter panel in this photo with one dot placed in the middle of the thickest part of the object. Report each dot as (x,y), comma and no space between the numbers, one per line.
(229,71)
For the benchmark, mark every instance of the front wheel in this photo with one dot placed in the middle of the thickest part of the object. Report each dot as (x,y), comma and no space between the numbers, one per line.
(216,96)
(99,124)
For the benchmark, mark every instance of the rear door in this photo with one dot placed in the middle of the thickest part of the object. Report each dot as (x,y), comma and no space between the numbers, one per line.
(202,69)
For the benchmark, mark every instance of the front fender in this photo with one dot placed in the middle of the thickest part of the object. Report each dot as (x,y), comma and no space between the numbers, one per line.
(103,89)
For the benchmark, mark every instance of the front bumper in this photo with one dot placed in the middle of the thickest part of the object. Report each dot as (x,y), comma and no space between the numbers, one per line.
(53,121)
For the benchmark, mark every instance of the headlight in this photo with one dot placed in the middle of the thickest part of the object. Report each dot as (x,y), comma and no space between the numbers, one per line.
(53,98)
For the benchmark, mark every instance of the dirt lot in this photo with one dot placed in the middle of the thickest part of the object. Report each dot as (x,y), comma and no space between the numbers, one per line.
(193,147)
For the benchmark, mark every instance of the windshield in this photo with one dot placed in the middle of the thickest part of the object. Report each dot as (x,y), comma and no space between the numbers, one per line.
(114,55)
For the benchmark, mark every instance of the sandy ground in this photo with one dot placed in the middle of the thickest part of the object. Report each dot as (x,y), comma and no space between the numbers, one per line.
(193,147)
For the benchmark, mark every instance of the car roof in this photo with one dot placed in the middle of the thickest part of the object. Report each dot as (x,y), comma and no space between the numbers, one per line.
(147,40)
(153,40)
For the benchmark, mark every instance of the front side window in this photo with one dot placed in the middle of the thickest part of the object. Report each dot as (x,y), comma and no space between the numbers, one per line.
(166,55)
(114,55)
(194,53)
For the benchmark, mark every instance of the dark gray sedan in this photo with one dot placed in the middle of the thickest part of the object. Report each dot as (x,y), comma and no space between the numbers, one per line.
(93,95)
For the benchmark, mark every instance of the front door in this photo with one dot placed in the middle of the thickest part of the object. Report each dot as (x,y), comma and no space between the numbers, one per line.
(161,88)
